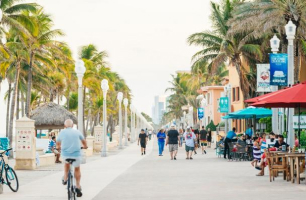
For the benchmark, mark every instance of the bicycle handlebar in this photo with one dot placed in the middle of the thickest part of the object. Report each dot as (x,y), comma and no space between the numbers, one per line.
(6,151)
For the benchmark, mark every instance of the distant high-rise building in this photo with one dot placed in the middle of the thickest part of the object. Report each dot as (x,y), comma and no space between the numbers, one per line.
(158,109)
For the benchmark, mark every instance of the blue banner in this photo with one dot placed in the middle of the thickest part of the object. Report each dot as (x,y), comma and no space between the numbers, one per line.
(223,104)
(200,113)
(279,69)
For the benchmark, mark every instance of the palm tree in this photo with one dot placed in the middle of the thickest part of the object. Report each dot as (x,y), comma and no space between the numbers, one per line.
(219,47)
(39,44)
(13,16)
(254,19)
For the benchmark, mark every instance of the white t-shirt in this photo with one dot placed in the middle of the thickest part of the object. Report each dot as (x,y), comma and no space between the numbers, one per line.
(189,139)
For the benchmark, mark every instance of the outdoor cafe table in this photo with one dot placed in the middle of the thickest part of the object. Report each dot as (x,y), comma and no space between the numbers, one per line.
(295,159)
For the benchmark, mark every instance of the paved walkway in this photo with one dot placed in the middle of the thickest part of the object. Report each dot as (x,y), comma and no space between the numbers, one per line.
(128,175)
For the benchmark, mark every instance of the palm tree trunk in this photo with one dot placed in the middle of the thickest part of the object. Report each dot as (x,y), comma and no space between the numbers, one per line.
(8,109)
(29,88)
(244,84)
(12,113)
(18,102)
(22,105)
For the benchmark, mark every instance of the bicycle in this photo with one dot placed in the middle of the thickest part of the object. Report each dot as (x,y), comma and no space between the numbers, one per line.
(71,183)
(11,179)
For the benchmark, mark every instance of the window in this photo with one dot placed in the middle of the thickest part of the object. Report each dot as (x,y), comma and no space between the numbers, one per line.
(234,94)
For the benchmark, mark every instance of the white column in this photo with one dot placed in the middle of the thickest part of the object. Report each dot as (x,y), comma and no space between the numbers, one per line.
(120,126)
(125,102)
(290,82)
(105,87)
(103,152)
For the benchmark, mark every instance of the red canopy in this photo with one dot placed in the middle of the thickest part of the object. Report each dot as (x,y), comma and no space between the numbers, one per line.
(292,97)
(259,98)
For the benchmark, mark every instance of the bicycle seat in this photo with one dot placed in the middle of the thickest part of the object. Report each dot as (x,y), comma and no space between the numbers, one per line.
(70,160)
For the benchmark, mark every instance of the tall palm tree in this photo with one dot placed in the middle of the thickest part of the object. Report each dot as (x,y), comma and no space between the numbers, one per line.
(219,47)
(39,44)
(262,18)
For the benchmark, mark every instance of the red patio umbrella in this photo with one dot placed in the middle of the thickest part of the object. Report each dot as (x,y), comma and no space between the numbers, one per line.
(293,97)
(259,98)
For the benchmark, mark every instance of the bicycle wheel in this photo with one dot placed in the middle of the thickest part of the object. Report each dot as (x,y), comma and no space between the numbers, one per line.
(11,179)
(69,181)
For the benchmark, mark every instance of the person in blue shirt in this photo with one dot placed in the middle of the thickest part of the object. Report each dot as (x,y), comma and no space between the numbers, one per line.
(230,135)
(69,142)
(161,135)
(249,131)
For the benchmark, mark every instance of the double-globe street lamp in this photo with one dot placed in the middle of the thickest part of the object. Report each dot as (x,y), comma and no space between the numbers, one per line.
(119,98)
(80,71)
(125,103)
(105,87)
(290,32)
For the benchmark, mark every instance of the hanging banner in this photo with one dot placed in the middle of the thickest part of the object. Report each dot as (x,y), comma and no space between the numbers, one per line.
(263,78)
(223,104)
(200,113)
(302,121)
(279,69)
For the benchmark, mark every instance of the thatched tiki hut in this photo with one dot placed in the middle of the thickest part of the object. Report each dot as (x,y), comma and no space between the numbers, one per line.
(51,116)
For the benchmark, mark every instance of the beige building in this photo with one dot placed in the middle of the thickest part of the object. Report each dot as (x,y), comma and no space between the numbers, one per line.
(212,95)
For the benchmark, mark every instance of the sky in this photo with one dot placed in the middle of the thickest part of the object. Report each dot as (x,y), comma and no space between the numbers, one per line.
(145,39)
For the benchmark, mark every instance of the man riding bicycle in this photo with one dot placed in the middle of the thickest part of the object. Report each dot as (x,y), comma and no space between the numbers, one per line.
(69,142)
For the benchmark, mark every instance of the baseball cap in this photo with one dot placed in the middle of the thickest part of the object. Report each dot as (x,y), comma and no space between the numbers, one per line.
(188,126)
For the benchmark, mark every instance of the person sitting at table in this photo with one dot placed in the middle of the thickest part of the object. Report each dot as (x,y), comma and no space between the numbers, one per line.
(296,142)
(256,151)
(280,143)
(52,148)
(261,166)
(263,143)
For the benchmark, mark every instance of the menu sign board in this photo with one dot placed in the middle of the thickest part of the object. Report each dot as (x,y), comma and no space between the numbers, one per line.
(24,139)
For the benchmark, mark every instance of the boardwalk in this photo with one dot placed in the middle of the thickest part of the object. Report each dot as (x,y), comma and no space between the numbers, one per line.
(128,175)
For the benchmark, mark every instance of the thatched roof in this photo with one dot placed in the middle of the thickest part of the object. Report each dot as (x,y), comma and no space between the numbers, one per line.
(51,116)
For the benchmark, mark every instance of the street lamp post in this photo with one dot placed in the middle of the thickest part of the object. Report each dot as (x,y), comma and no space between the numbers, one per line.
(119,98)
(274,42)
(80,71)
(131,134)
(105,87)
(125,103)
(290,32)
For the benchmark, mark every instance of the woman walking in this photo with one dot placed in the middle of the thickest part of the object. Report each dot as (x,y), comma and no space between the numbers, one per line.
(161,135)
(181,132)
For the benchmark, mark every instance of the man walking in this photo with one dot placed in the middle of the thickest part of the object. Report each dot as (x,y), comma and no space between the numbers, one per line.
(69,141)
(203,139)
(190,140)
(173,141)
(230,135)
(143,139)
(161,135)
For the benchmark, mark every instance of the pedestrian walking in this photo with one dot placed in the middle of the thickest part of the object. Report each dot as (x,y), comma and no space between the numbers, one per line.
(190,141)
(203,139)
(197,134)
(173,141)
(161,135)
(150,134)
(230,135)
(181,133)
(143,139)
(209,138)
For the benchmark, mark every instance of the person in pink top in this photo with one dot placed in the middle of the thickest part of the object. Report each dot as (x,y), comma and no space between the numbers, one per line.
(296,143)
